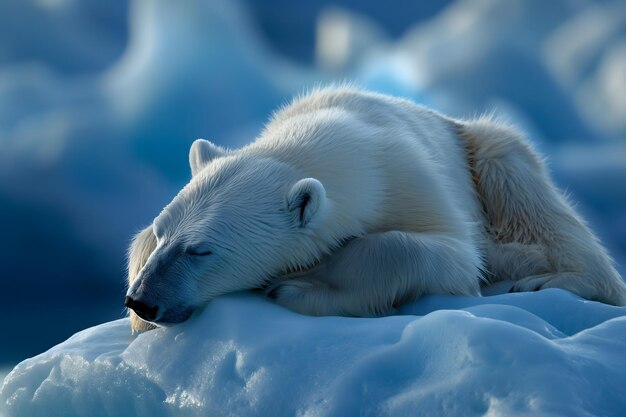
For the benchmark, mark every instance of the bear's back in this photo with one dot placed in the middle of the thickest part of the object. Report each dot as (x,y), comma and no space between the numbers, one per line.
(399,160)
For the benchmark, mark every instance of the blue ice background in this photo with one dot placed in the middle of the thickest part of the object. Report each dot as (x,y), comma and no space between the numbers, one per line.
(99,102)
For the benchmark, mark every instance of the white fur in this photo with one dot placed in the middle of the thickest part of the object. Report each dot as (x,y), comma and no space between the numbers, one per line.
(351,202)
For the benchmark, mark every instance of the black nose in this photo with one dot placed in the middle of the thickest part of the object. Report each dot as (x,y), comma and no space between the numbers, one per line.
(141,309)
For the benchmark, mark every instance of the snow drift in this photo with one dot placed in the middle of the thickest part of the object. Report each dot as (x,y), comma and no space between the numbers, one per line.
(544,353)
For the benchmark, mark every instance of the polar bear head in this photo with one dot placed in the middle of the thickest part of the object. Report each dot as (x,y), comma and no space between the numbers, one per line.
(241,220)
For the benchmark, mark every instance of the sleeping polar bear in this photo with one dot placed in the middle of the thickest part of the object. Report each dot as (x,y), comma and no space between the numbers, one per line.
(350,203)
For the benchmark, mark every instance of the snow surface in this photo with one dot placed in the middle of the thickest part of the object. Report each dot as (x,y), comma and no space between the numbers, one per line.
(544,353)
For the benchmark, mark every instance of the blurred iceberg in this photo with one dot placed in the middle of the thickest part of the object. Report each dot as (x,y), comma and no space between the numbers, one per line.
(68,36)
(587,54)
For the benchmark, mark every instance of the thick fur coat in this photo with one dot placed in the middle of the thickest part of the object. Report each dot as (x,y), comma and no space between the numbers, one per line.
(350,203)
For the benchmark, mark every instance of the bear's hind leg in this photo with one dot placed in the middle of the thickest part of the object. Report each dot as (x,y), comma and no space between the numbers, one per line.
(371,275)
(577,283)
(522,206)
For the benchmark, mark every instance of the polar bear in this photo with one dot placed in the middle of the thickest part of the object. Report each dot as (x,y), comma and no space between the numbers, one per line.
(351,203)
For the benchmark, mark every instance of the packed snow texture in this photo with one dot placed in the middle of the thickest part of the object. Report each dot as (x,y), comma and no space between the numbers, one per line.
(545,353)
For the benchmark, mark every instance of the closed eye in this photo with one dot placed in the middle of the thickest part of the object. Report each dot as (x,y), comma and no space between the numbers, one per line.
(196,252)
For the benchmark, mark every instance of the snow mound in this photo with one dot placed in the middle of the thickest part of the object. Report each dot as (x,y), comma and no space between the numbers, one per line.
(548,353)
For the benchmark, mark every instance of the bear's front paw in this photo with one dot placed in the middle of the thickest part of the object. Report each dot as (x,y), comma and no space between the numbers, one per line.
(287,289)
(303,296)
(532,283)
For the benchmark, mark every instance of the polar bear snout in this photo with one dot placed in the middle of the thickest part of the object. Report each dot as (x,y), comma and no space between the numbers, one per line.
(144,311)
(158,314)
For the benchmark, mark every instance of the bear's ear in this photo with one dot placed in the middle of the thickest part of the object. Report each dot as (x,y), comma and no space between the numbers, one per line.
(201,153)
(306,200)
